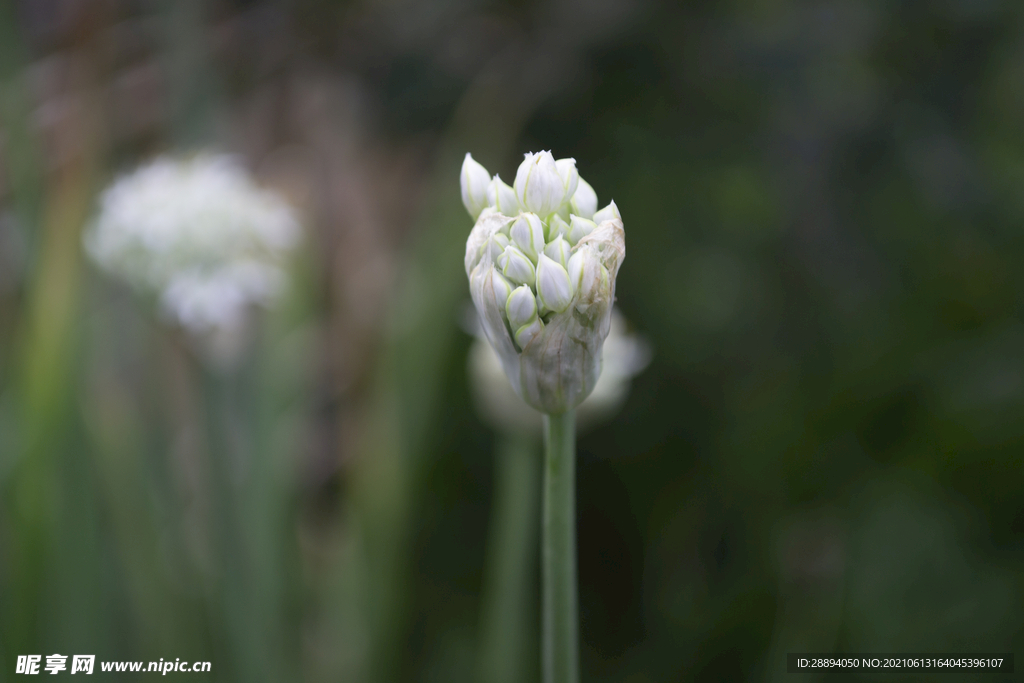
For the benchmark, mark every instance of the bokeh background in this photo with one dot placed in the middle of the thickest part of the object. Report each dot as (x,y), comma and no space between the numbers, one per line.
(824,208)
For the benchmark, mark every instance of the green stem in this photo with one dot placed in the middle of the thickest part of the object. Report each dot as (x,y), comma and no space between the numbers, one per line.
(561,659)
(511,562)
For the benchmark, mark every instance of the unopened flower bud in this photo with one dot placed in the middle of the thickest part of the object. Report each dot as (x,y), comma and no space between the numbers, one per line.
(553,286)
(496,245)
(502,197)
(516,266)
(579,228)
(521,307)
(558,251)
(538,185)
(554,363)
(527,233)
(557,226)
(527,333)
(502,289)
(474,179)
(584,201)
(607,213)
(569,175)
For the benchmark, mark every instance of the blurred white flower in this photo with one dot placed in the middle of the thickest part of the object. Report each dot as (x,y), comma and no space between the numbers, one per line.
(197,233)
(624,356)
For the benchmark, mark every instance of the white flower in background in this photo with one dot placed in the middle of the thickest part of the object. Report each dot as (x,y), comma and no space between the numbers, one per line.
(624,356)
(197,233)
(550,349)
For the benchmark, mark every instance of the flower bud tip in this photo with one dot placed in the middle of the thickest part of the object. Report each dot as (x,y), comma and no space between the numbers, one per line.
(474,180)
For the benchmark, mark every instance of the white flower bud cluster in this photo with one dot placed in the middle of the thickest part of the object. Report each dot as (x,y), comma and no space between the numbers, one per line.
(542,262)
(199,234)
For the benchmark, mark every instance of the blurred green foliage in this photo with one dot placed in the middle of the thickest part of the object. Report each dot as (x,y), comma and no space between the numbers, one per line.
(824,210)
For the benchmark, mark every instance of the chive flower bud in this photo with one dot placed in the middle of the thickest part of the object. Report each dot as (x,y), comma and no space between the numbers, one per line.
(527,232)
(521,310)
(544,287)
(474,180)
(557,227)
(503,198)
(569,175)
(584,201)
(496,245)
(607,213)
(539,186)
(516,266)
(521,307)
(579,228)
(553,286)
(558,251)
(501,290)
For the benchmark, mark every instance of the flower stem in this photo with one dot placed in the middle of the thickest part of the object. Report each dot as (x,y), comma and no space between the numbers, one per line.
(560,647)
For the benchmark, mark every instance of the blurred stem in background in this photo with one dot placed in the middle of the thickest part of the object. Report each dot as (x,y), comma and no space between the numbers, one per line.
(508,593)
(45,491)
(560,601)
(232,584)
(21,148)
(121,436)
